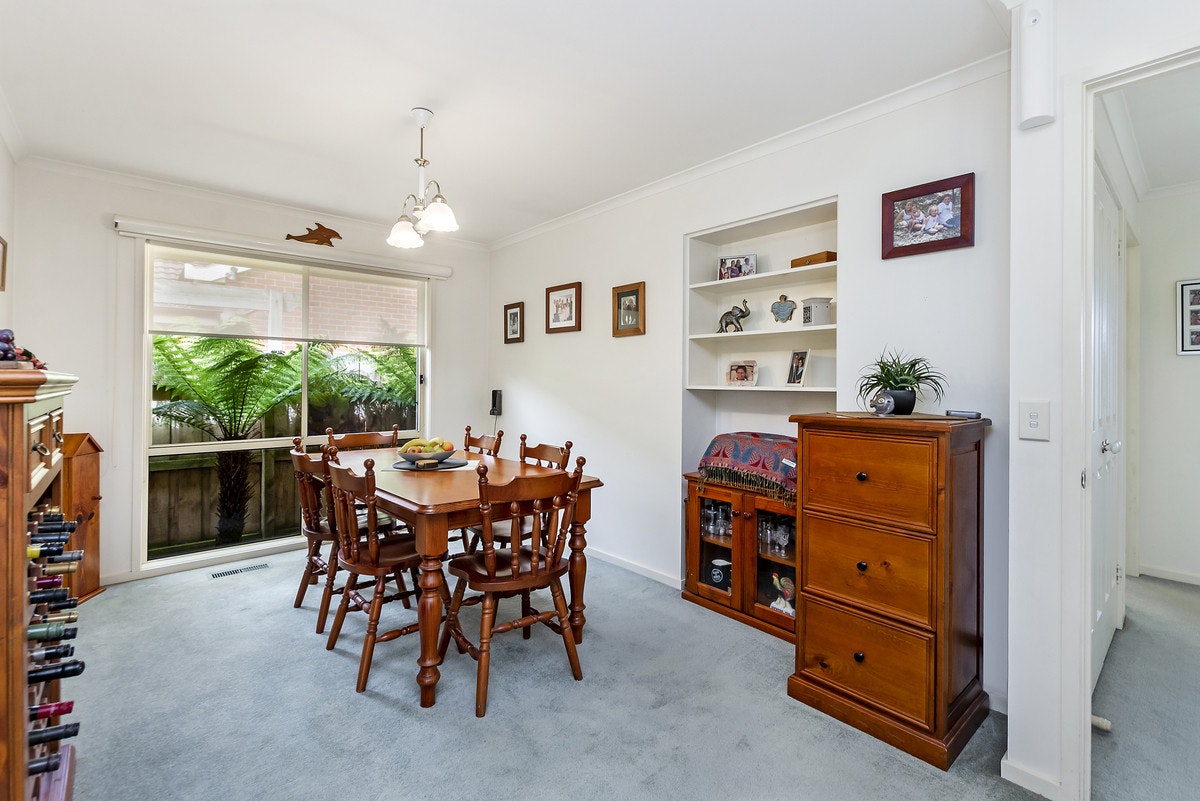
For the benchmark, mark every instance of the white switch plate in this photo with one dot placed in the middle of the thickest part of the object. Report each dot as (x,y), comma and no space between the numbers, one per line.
(1034,420)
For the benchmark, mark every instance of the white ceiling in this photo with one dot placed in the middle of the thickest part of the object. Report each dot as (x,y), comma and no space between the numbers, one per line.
(541,108)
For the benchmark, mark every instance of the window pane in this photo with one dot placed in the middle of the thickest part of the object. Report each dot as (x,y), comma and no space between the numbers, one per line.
(215,500)
(346,308)
(361,388)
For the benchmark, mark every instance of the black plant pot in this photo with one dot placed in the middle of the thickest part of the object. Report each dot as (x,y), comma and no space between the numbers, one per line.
(905,400)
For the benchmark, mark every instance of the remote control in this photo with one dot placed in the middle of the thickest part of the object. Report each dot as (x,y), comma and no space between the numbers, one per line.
(966,415)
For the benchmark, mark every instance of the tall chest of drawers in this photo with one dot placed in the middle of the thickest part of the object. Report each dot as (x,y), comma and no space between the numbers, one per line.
(889,620)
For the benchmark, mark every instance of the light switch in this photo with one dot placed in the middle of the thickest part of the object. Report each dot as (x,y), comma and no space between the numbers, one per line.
(1034,420)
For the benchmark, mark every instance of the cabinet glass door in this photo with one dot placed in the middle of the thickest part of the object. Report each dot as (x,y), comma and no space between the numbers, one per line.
(716,544)
(775,567)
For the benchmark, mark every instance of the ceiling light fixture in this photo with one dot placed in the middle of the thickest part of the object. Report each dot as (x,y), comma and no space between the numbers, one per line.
(420,219)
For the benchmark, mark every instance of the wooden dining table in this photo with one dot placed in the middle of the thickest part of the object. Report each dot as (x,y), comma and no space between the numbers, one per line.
(434,503)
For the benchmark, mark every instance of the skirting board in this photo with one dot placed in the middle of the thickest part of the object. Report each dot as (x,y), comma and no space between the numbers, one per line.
(1170,575)
(1035,782)
(675,582)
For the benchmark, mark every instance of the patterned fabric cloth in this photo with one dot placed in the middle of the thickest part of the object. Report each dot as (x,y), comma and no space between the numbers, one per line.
(764,463)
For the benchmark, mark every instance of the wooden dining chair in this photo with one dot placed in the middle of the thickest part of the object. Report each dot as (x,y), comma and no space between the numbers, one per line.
(365,552)
(316,502)
(484,443)
(364,439)
(491,573)
(556,456)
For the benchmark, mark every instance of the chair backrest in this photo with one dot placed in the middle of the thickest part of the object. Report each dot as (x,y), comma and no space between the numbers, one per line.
(548,501)
(364,439)
(546,455)
(484,443)
(312,487)
(357,525)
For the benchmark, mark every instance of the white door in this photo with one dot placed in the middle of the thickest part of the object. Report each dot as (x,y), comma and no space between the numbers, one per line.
(1105,465)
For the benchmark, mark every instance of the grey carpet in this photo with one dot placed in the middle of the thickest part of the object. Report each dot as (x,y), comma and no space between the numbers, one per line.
(1150,690)
(201,688)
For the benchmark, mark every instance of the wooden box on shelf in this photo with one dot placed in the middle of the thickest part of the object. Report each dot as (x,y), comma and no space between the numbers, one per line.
(741,556)
(815,258)
(890,617)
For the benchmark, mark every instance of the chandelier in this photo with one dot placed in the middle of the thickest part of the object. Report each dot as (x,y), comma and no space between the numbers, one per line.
(420,217)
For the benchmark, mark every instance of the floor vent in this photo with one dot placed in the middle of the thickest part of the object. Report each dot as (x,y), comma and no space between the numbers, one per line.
(237,570)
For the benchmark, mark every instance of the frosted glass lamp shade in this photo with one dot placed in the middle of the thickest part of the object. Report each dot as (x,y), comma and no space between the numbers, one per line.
(439,217)
(403,235)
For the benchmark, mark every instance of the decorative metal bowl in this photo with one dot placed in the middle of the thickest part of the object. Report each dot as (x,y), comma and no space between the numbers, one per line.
(435,455)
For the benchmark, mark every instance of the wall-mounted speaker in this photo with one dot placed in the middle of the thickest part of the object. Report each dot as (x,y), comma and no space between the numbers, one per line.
(1035,79)
(497,400)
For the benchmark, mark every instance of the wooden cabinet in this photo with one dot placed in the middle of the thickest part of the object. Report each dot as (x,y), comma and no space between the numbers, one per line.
(890,610)
(81,503)
(31,461)
(741,556)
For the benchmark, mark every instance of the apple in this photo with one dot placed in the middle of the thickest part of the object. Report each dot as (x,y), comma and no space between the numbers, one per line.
(447,446)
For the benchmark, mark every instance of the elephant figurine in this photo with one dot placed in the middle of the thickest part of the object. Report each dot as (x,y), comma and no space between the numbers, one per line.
(733,318)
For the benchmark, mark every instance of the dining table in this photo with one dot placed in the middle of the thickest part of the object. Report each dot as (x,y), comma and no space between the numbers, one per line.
(434,502)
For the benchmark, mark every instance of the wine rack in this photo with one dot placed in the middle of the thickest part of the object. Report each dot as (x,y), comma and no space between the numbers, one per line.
(37,757)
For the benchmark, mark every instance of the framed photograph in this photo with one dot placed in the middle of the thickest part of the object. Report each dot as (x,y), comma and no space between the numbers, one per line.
(798,368)
(737,266)
(742,373)
(1187,317)
(629,309)
(562,307)
(939,215)
(514,322)
(3,262)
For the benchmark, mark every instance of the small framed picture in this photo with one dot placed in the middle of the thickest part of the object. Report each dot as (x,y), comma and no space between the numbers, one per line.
(939,215)
(3,262)
(737,266)
(742,373)
(1187,317)
(562,307)
(514,322)
(798,368)
(629,309)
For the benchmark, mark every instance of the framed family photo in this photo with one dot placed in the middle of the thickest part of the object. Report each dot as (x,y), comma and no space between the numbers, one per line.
(1187,317)
(562,307)
(742,373)
(629,309)
(798,368)
(737,266)
(939,215)
(514,322)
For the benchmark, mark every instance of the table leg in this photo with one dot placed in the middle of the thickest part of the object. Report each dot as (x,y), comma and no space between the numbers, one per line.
(576,575)
(429,617)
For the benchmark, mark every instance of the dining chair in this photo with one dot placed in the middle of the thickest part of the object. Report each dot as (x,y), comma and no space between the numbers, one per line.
(484,443)
(316,502)
(364,439)
(556,456)
(364,552)
(491,573)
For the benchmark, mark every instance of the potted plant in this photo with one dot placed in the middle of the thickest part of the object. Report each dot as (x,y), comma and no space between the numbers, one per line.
(902,377)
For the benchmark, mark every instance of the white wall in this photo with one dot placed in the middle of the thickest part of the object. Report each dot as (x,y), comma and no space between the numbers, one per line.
(1167,546)
(1048,701)
(80,308)
(7,180)
(620,399)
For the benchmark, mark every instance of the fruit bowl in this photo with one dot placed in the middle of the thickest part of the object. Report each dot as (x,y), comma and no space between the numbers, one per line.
(435,455)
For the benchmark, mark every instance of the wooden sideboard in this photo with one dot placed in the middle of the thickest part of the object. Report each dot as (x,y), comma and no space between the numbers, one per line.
(890,615)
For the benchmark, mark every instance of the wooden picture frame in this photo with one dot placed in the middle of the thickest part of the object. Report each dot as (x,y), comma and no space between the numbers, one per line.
(563,308)
(3,263)
(1187,317)
(742,373)
(909,227)
(798,367)
(514,322)
(737,266)
(629,309)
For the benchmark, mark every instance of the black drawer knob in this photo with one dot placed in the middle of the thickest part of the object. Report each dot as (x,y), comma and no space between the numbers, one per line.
(862,567)
(859,656)
(861,476)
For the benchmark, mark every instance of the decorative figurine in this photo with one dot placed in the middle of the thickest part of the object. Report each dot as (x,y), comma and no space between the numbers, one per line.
(733,317)
(883,404)
(787,592)
(783,309)
(316,236)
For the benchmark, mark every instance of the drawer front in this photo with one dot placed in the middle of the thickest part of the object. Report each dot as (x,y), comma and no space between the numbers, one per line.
(38,439)
(878,664)
(885,478)
(889,572)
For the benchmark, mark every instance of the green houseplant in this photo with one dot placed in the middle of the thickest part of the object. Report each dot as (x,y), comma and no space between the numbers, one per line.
(901,376)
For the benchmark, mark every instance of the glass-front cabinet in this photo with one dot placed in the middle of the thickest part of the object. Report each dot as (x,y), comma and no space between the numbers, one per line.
(741,556)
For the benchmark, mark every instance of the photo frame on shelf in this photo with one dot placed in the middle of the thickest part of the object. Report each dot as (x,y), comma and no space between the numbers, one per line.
(737,266)
(926,218)
(629,309)
(798,368)
(1187,317)
(742,373)
(563,308)
(514,322)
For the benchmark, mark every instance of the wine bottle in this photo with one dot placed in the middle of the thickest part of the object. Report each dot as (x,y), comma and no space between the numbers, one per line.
(51,652)
(58,606)
(44,764)
(44,582)
(54,710)
(66,526)
(56,617)
(45,596)
(58,670)
(49,632)
(41,551)
(52,539)
(56,569)
(53,517)
(65,556)
(52,733)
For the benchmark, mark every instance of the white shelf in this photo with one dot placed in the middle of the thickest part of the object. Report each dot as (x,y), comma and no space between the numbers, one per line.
(826,271)
(785,388)
(733,336)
